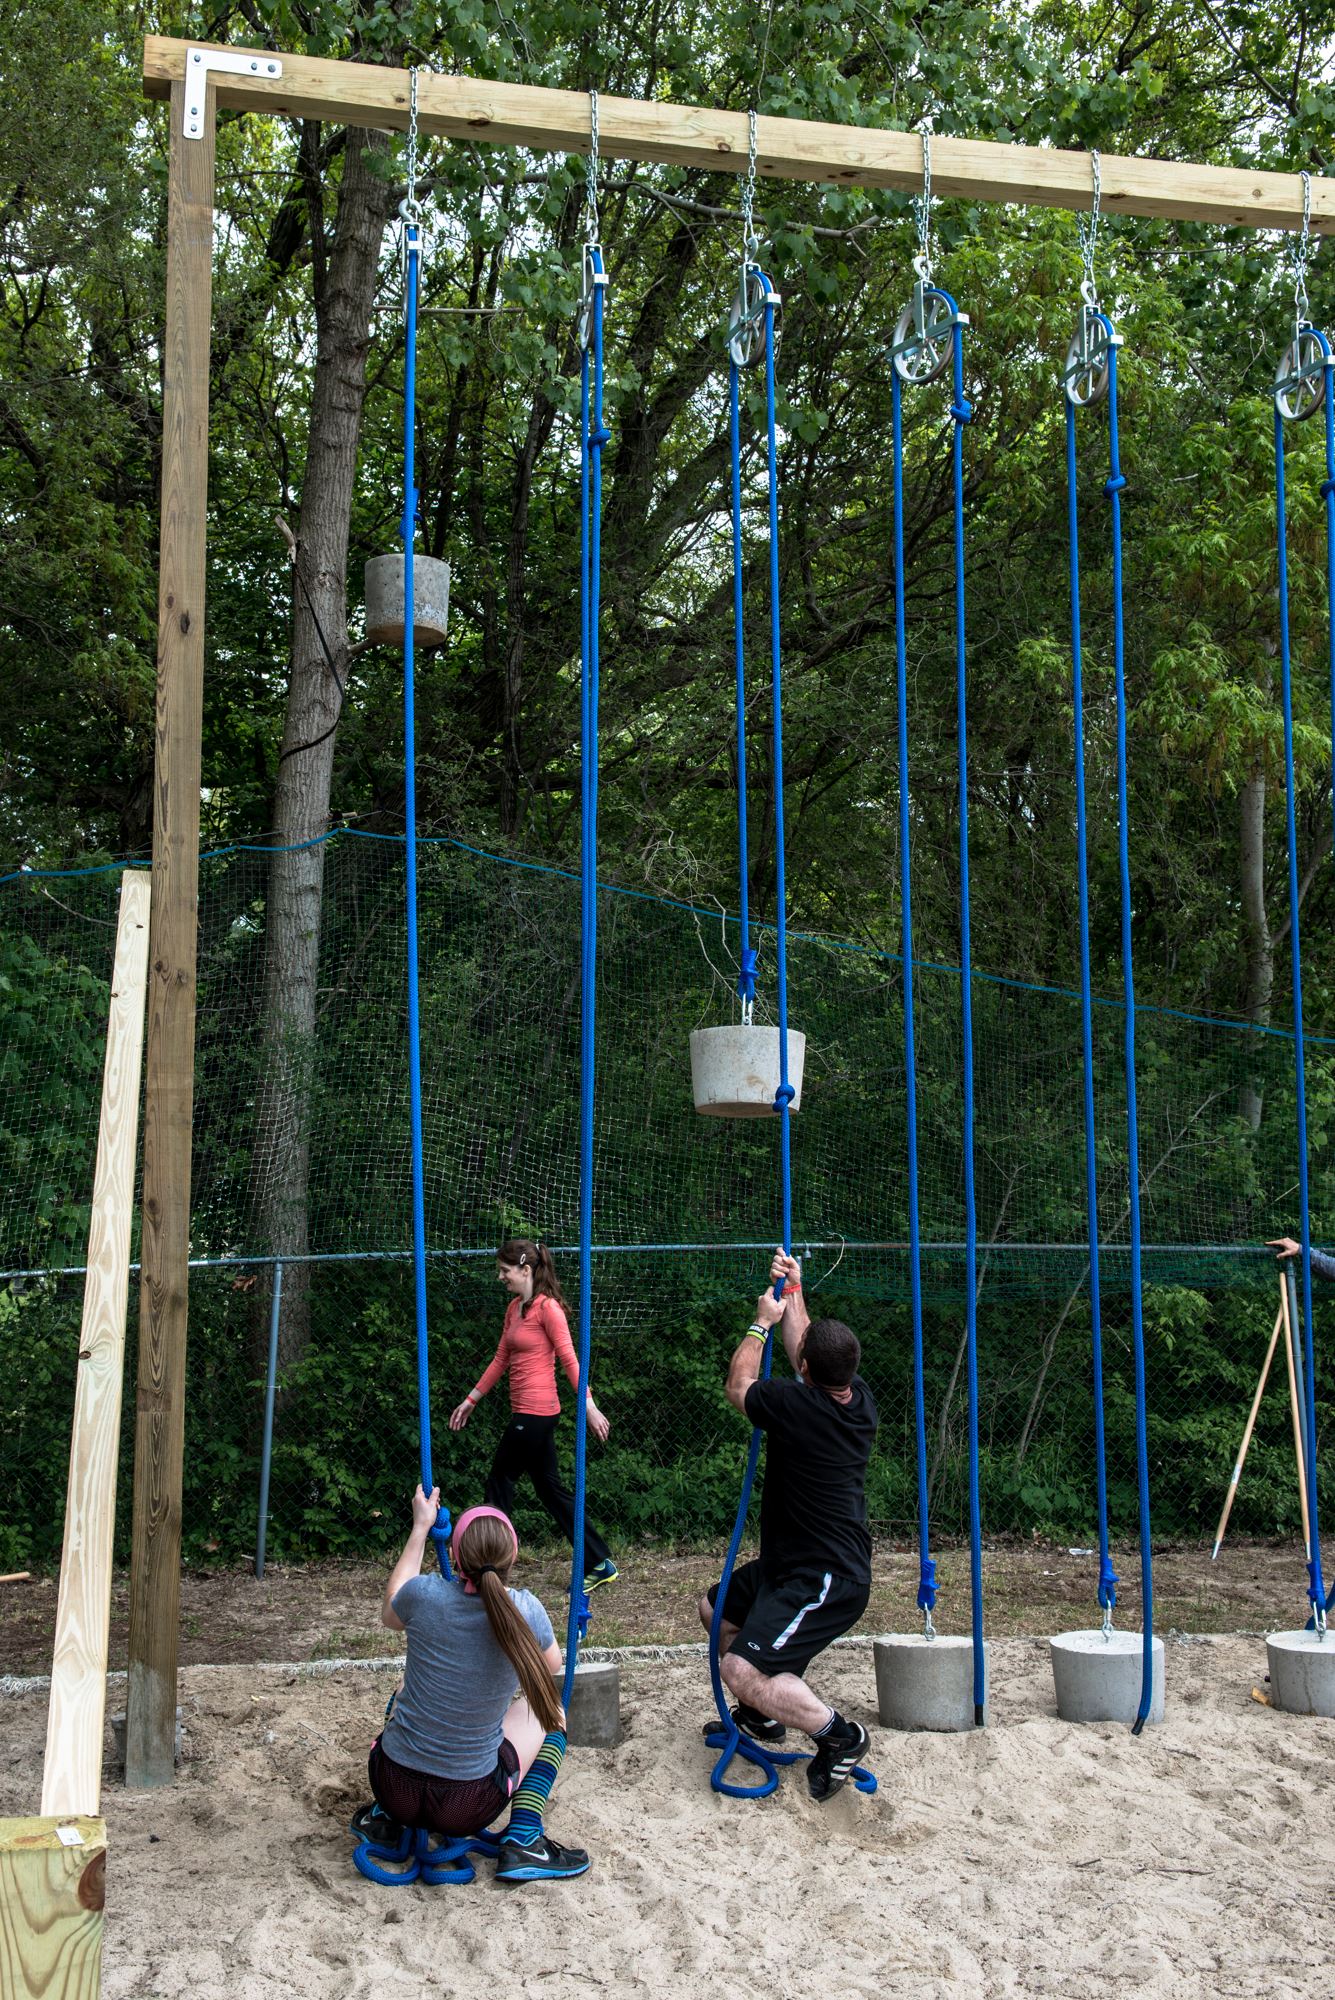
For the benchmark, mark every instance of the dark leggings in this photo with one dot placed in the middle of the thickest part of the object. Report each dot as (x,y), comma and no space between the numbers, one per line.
(528,1445)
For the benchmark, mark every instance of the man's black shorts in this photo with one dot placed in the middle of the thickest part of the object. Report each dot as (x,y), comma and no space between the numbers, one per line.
(785,1623)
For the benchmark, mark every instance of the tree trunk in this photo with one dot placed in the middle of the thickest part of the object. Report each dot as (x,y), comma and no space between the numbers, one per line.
(345,286)
(1260,971)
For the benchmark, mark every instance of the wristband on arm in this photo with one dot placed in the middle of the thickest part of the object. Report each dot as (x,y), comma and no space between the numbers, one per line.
(760,1333)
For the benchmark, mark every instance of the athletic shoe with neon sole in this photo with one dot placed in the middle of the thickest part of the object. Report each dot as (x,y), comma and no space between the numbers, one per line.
(606,1572)
(832,1766)
(539,1860)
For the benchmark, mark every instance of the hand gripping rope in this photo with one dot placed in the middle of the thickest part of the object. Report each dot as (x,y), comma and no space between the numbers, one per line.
(1085,381)
(928,339)
(411,211)
(1089,375)
(594,436)
(751,333)
(1305,382)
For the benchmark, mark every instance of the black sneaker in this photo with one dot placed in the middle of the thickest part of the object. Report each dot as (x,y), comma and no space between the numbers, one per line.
(374,1823)
(836,1754)
(760,1728)
(539,1860)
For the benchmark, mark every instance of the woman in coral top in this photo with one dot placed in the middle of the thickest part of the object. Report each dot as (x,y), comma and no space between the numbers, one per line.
(536,1335)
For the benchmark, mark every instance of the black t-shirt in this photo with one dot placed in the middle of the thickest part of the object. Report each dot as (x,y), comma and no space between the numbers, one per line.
(813,1507)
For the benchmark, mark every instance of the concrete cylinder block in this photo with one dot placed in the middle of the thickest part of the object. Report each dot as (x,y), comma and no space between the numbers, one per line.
(593,1713)
(1098,1676)
(735,1071)
(1302,1672)
(925,1683)
(385,601)
(117,1724)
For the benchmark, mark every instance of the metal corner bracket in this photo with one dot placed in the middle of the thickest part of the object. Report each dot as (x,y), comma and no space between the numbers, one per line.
(199,62)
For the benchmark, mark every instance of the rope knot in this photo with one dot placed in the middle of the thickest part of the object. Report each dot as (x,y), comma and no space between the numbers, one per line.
(1107,1584)
(784,1095)
(927,1583)
(410,517)
(1115,484)
(746,977)
(1327,488)
(598,437)
(962,410)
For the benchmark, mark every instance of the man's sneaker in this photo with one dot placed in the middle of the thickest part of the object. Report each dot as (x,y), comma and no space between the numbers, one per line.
(539,1860)
(760,1728)
(606,1572)
(836,1754)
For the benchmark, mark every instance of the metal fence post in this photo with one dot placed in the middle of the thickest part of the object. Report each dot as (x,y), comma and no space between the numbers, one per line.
(275,1309)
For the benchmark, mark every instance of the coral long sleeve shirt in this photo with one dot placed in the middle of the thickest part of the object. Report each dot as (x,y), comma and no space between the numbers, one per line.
(531,1344)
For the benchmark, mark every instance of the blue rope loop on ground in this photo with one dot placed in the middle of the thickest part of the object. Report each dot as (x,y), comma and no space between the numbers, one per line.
(926,1566)
(412,277)
(419,1856)
(1107,1579)
(1113,490)
(733,1742)
(1316,1591)
(594,435)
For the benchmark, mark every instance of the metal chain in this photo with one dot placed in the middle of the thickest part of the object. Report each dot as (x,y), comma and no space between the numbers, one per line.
(410,208)
(750,241)
(591,174)
(922,208)
(1089,236)
(1302,258)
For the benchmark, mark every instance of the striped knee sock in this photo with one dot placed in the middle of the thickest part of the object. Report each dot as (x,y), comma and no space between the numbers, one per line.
(530,1802)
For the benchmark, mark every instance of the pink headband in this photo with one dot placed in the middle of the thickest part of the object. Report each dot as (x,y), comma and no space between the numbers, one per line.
(466,1520)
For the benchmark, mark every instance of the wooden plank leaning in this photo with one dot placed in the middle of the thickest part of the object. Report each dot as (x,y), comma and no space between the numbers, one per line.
(72,1772)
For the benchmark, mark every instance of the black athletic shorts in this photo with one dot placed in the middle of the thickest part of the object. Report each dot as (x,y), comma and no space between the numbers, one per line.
(784,1624)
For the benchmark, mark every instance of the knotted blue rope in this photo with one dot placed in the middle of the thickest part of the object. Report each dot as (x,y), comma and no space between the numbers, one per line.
(1107,1580)
(926,1564)
(594,435)
(1315,1585)
(1113,489)
(440,1532)
(961,412)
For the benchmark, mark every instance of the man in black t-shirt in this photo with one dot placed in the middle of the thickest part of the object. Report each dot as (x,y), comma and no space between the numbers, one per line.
(812,1578)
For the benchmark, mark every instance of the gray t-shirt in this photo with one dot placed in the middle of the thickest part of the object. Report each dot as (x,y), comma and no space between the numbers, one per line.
(457,1684)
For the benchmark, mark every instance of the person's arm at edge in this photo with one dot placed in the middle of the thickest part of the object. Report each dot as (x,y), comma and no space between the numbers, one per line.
(409,1563)
(744,1368)
(1323,1265)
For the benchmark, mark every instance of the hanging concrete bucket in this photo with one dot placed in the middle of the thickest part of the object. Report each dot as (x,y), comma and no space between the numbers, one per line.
(384,601)
(735,1071)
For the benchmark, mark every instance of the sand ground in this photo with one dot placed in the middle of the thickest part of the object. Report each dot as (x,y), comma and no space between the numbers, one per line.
(1032,1858)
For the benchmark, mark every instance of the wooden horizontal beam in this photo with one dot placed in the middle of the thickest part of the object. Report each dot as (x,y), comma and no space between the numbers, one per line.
(788,149)
(52,1889)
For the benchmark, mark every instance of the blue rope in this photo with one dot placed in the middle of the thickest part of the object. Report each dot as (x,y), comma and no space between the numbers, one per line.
(1107,1583)
(1113,487)
(440,1532)
(1315,1585)
(729,1740)
(961,411)
(746,977)
(594,435)
(926,1565)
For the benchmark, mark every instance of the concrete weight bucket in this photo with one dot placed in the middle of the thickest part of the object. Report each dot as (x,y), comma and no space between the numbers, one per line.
(384,601)
(735,1071)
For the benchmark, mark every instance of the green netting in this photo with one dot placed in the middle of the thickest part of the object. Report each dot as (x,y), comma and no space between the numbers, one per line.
(318,1172)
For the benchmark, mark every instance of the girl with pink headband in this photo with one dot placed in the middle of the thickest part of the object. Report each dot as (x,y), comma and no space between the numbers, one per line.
(477,1723)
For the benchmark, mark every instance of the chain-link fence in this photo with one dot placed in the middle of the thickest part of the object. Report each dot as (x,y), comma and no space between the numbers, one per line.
(314,1175)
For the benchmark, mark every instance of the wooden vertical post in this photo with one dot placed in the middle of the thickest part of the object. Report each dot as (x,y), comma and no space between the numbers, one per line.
(52,1888)
(72,1771)
(155,1578)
